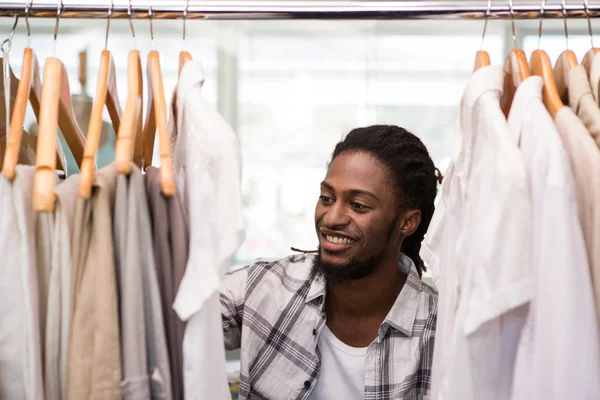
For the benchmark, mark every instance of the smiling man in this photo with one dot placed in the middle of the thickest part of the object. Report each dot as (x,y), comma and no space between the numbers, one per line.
(354,320)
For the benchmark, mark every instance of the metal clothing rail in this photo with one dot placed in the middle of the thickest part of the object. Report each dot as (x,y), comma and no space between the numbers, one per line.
(304,9)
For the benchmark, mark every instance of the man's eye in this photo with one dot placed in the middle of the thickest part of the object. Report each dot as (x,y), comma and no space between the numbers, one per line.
(358,206)
(325,199)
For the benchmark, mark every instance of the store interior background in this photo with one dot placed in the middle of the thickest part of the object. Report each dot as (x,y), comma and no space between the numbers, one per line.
(292,89)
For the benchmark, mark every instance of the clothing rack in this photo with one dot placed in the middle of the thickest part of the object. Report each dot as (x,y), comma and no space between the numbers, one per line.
(303,9)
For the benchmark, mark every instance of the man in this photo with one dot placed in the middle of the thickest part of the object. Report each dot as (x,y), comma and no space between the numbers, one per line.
(354,320)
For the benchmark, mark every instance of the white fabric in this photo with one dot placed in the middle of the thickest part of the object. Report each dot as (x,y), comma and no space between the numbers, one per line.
(207,162)
(20,351)
(562,296)
(342,373)
(481,244)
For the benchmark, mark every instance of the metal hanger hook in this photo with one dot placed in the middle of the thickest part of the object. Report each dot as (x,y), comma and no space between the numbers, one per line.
(27,12)
(110,11)
(564,13)
(151,28)
(185,14)
(59,11)
(131,25)
(488,11)
(589,20)
(512,15)
(8,41)
(542,7)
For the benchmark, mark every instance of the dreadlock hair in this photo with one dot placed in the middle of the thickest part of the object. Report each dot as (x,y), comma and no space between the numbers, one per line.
(412,169)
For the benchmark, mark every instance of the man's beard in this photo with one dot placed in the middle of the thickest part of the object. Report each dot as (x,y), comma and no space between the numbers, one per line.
(351,270)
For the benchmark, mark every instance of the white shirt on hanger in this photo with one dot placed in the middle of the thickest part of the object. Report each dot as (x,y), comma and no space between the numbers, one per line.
(207,163)
(342,373)
(553,362)
(481,244)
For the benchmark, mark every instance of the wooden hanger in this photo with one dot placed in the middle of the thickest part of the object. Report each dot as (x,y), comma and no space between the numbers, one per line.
(158,109)
(541,66)
(482,59)
(184,57)
(106,95)
(44,179)
(565,62)
(516,71)
(588,59)
(131,124)
(29,91)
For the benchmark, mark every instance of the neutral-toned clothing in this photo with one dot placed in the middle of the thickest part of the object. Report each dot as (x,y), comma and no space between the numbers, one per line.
(342,374)
(59,291)
(483,251)
(207,164)
(170,234)
(562,288)
(585,164)
(274,311)
(44,241)
(144,351)
(582,101)
(94,360)
(20,352)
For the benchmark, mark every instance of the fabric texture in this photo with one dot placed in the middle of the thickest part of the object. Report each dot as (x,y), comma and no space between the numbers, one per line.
(144,346)
(274,311)
(94,360)
(585,164)
(558,246)
(207,164)
(20,350)
(170,234)
(582,101)
(479,248)
(595,78)
(59,291)
(342,371)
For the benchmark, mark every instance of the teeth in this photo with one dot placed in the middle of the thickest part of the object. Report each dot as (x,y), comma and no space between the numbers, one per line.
(339,240)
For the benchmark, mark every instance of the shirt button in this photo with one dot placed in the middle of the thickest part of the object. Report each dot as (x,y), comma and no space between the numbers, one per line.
(314,332)
(306,384)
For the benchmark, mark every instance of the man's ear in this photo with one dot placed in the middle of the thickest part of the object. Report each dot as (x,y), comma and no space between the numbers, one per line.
(410,222)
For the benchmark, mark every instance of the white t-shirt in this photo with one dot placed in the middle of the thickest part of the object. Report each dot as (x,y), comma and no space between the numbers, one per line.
(342,374)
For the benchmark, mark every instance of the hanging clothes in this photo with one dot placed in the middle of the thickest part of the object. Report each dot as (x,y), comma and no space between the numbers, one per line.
(146,370)
(20,344)
(94,360)
(582,101)
(59,291)
(561,282)
(489,258)
(595,78)
(585,163)
(170,235)
(207,164)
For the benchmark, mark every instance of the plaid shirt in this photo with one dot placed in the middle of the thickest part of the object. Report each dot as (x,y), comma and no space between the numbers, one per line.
(273,311)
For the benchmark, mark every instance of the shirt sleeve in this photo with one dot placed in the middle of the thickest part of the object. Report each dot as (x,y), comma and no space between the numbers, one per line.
(233,295)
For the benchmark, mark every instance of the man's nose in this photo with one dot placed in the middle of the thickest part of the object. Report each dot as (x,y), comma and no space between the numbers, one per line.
(336,216)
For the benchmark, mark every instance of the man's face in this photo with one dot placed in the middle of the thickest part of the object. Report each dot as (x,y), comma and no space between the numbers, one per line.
(356,217)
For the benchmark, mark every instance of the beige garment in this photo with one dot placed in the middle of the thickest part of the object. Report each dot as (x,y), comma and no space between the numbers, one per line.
(94,360)
(585,163)
(595,78)
(582,101)
(59,290)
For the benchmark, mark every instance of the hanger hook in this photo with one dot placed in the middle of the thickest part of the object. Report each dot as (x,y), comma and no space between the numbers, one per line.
(589,20)
(185,14)
(564,13)
(59,11)
(27,12)
(151,29)
(542,7)
(110,11)
(131,25)
(488,11)
(512,15)
(8,41)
